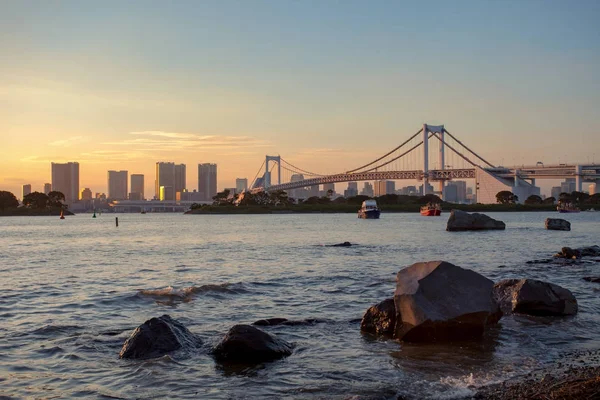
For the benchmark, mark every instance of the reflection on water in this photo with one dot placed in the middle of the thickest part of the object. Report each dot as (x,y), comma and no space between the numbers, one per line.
(72,291)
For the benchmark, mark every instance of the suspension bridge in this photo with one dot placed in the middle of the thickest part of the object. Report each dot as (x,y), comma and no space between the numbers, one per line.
(445,159)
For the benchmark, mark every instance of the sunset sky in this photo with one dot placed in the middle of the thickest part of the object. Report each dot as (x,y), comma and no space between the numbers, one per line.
(328,85)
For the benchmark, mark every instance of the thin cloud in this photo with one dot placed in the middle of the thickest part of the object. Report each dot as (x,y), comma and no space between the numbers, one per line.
(67,142)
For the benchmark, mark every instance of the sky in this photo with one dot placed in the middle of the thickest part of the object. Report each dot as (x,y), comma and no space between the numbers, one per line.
(328,85)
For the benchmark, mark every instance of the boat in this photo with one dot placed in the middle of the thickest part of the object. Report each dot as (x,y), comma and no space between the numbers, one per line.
(143,212)
(369,210)
(431,209)
(567,208)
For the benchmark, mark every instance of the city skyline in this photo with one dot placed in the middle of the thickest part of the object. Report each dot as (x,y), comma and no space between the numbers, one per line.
(309,82)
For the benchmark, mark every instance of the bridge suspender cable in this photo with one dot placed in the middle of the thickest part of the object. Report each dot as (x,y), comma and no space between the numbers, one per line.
(260,169)
(394,159)
(385,155)
(457,152)
(296,169)
(472,152)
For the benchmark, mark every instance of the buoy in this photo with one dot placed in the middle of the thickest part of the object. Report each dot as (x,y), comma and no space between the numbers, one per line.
(94,216)
(117,221)
(62,216)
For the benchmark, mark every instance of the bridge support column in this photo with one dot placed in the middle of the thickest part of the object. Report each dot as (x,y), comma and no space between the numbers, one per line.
(425,159)
(442,161)
(578,178)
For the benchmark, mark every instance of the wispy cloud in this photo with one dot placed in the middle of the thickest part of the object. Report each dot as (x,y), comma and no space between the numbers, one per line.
(67,142)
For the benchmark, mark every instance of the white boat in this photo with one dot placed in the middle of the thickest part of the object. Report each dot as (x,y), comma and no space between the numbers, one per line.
(369,210)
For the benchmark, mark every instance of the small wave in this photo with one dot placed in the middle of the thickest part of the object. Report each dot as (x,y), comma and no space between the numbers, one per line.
(186,294)
(52,329)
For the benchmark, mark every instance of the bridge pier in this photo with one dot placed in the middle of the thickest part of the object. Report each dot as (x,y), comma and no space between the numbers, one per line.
(425,158)
(578,179)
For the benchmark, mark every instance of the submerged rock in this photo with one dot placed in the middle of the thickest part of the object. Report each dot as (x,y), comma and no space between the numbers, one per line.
(590,251)
(156,337)
(438,301)
(557,224)
(345,244)
(247,344)
(568,253)
(534,297)
(380,318)
(463,221)
(595,279)
(285,321)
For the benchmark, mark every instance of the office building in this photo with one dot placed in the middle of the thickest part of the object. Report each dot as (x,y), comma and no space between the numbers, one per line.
(170,176)
(47,188)
(555,192)
(86,194)
(165,193)
(328,189)
(568,186)
(65,179)
(137,187)
(26,190)
(593,189)
(187,196)
(455,192)
(367,190)
(384,187)
(241,184)
(207,181)
(117,185)
(352,190)
(296,193)
(313,191)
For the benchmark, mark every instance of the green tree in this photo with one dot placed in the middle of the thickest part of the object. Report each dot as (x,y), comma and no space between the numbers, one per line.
(8,200)
(534,199)
(506,197)
(549,200)
(579,197)
(56,199)
(357,199)
(595,199)
(36,200)
(565,197)
(222,198)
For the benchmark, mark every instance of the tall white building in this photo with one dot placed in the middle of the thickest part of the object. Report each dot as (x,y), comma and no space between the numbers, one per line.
(241,184)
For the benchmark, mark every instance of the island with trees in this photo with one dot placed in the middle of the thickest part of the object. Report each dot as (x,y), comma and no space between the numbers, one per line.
(33,204)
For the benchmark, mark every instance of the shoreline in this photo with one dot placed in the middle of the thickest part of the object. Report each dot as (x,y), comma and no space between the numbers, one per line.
(29,212)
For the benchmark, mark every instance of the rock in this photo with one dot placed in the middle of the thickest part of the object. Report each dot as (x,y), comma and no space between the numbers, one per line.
(285,321)
(345,244)
(156,337)
(533,297)
(590,251)
(557,224)
(380,318)
(247,344)
(438,301)
(568,253)
(595,279)
(463,221)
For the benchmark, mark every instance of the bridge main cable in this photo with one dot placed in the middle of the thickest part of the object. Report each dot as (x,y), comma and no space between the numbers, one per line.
(296,169)
(463,145)
(385,155)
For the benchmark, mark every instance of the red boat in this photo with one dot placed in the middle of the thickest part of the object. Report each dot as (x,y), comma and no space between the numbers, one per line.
(431,210)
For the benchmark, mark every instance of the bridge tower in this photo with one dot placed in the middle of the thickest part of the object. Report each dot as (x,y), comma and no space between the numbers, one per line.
(267,176)
(438,131)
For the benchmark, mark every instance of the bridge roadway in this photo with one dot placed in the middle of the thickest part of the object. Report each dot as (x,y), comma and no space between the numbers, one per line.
(587,172)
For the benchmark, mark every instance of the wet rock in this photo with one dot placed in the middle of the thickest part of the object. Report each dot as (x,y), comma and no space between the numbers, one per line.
(285,321)
(438,301)
(533,297)
(464,221)
(568,253)
(380,319)
(590,251)
(557,224)
(156,337)
(345,244)
(247,344)
(595,279)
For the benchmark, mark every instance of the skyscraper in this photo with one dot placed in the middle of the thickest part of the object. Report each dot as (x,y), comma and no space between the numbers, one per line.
(47,188)
(26,190)
(137,186)
(171,176)
(241,184)
(86,194)
(180,177)
(207,181)
(65,179)
(117,185)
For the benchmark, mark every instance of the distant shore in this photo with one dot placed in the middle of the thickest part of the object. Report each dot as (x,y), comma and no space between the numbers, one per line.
(32,212)
(353,208)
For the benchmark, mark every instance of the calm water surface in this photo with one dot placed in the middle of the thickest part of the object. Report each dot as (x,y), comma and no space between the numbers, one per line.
(72,291)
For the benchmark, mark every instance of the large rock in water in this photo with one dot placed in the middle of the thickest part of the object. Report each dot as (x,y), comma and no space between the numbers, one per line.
(438,301)
(557,224)
(463,221)
(533,297)
(380,318)
(156,337)
(247,344)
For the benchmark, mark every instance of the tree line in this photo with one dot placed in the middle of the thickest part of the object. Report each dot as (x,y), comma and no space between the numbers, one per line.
(579,198)
(34,200)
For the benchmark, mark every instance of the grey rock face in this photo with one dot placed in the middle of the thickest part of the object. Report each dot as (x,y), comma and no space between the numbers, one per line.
(156,337)
(247,344)
(438,301)
(463,221)
(533,297)
(380,318)
(557,224)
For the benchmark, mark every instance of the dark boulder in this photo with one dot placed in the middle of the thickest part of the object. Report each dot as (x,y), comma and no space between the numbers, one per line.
(533,297)
(568,253)
(345,244)
(380,318)
(464,221)
(595,279)
(249,345)
(156,337)
(590,251)
(557,224)
(438,301)
(285,321)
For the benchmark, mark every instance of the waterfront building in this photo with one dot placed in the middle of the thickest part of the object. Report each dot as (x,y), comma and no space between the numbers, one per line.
(47,188)
(188,196)
(241,184)
(179,182)
(117,185)
(137,187)
(207,181)
(384,187)
(165,193)
(313,191)
(65,179)
(568,186)
(593,189)
(170,176)
(86,194)
(296,193)
(352,190)
(367,190)
(26,189)
(555,192)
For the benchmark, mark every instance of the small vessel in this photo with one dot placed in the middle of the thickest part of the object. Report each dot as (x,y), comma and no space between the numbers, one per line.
(94,216)
(62,214)
(143,212)
(431,209)
(369,210)
(567,208)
